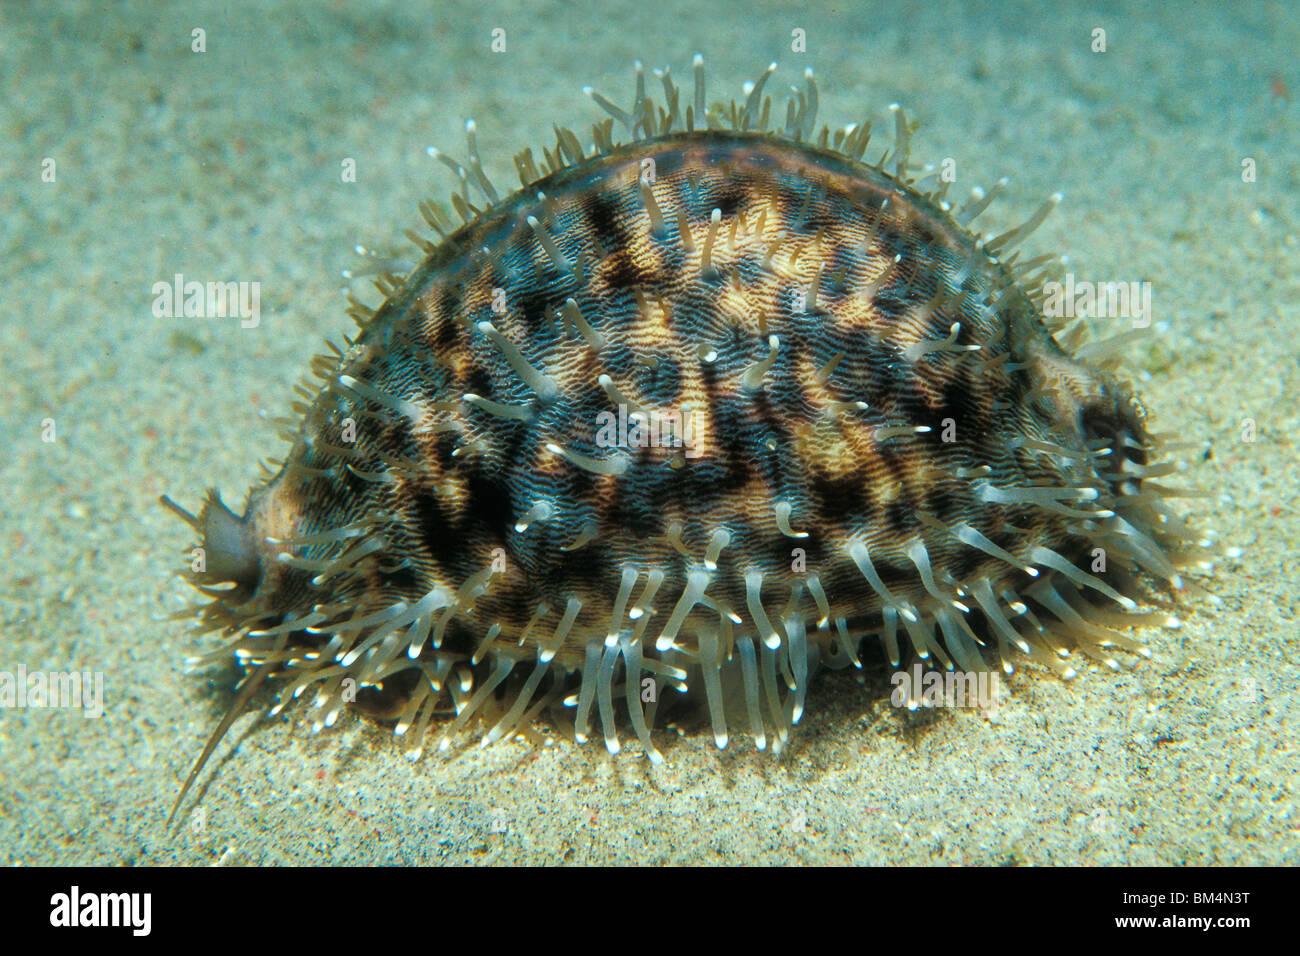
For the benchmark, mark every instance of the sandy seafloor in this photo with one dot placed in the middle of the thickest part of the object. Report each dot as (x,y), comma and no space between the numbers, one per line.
(225,165)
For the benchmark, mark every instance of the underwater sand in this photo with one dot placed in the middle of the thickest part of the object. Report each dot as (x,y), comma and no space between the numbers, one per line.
(225,165)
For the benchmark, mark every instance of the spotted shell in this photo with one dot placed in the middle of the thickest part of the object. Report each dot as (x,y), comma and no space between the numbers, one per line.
(697,412)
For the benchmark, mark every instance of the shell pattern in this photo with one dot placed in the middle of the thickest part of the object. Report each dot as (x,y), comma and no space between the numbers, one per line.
(699,411)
